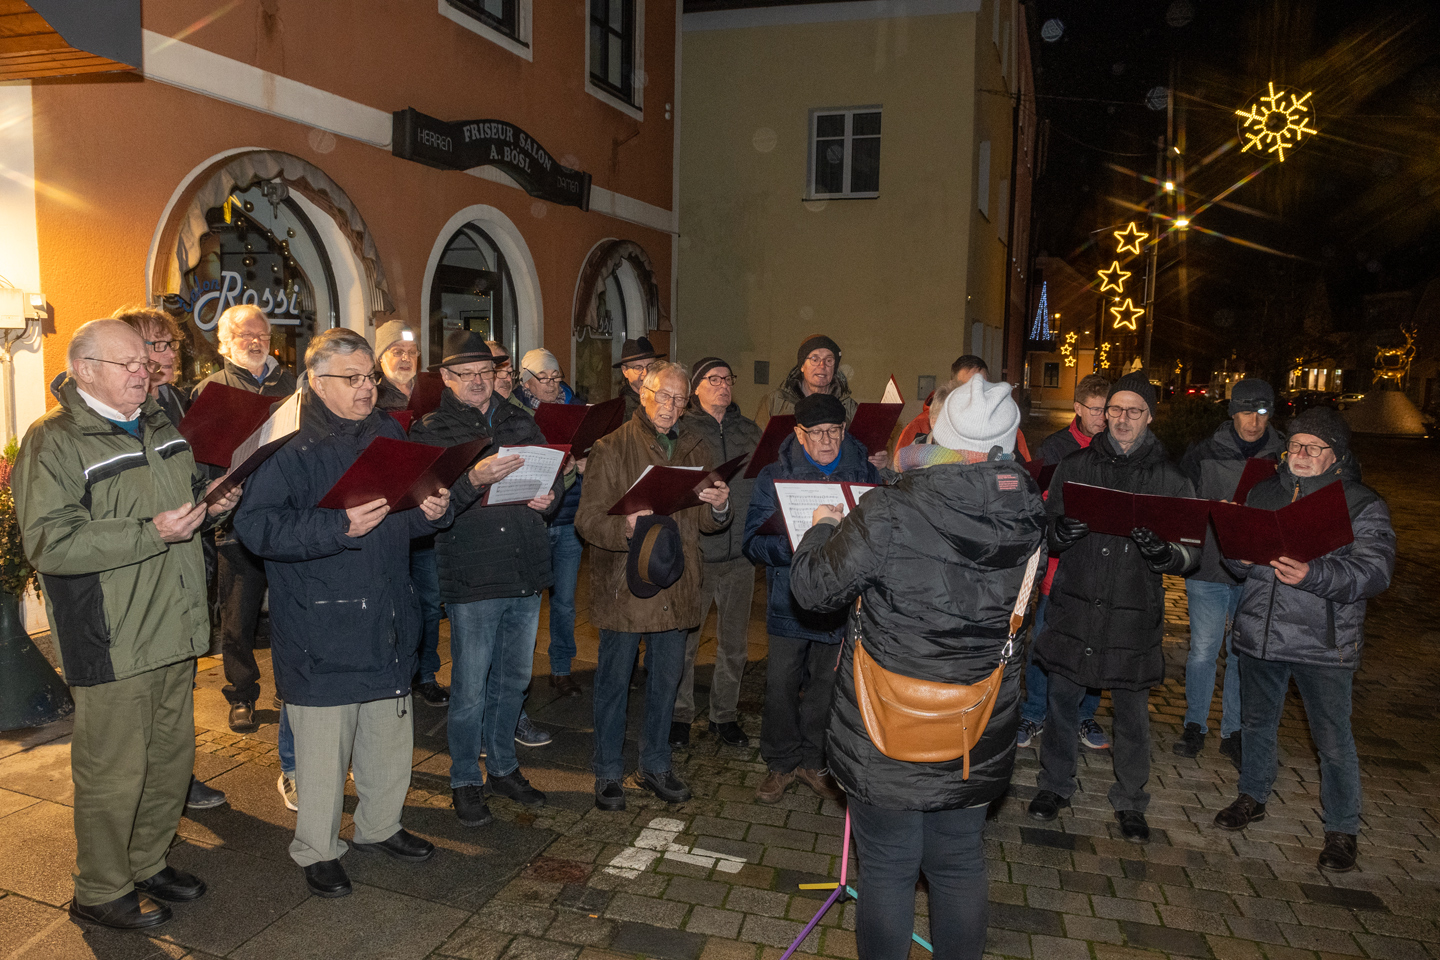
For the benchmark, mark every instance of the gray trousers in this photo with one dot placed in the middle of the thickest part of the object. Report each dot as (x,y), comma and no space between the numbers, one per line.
(730,586)
(377,739)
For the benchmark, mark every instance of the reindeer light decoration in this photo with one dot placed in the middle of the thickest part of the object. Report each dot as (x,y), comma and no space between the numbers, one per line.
(1393,363)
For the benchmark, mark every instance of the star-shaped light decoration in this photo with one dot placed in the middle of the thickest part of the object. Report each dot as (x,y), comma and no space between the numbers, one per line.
(1113,278)
(1133,313)
(1276,122)
(1130,238)
(1104,361)
(1067,349)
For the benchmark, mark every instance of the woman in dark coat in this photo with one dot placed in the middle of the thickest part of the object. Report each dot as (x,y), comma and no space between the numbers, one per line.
(938,561)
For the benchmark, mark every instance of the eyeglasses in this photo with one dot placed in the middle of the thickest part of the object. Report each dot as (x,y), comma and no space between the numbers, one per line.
(633,365)
(821,359)
(1129,413)
(504,374)
(1092,410)
(669,399)
(249,338)
(824,433)
(131,366)
(356,380)
(471,377)
(1308,449)
(162,346)
(539,379)
(718,381)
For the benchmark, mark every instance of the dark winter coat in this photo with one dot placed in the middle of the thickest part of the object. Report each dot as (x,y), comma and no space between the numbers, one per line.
(1106,615)
(616,461)
(784,397)
(784,615)
(1058,445)
(389,397)
(1320,620)
(1214,466)
(728,439)
(489,552)
(632,399)
(344,620)
(938,561)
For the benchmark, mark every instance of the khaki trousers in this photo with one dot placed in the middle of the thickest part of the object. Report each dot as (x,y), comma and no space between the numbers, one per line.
(376,739)
(730,586)
(130,758)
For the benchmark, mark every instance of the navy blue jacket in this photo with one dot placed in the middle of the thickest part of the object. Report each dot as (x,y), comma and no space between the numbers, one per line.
(784,617)
(344,620)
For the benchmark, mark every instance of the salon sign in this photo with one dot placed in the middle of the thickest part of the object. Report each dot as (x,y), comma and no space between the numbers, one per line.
(230,290)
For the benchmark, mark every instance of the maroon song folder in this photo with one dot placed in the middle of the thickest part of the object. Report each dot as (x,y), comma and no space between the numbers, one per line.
(1256,469)
(1041,473)
(1308,528)
(1175,519)
(579,426)
(781,425)
(425,395)
(873,423)
(404,417)
(221,419)
(665,490)
(255,449)
(402,472)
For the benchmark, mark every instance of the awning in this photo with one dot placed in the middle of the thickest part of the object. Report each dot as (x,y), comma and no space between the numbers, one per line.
(61,38)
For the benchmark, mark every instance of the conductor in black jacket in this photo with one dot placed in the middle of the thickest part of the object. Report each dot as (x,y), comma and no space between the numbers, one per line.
(1106,615)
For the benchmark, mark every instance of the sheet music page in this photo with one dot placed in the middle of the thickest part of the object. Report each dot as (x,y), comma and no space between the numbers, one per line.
(533,479)
(854,491)
(798,500)
(892,392)
(283,422)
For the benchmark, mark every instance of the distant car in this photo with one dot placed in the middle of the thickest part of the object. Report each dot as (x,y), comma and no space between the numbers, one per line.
(1349,399)
(1198,390)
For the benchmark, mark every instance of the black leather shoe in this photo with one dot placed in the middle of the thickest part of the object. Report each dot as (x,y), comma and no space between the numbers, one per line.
(1240,814)
(402,845)
(432,693)
(514,786)
(666,786)
(1339,853)
(730,733)
(609,795)
(1232,747)
(134,911)
(1191,742)
(173,885)
(327,879)
(1047,805)
(565,685)
(202,796)
(679,735)
(242,717)
(1133,826)
(470,806)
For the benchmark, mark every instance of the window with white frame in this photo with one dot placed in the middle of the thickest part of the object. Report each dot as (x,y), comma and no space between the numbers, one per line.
(844,153)
(506,22)
(613,48)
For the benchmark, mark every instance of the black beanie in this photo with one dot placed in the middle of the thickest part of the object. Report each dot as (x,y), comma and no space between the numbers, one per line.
(1251,395)
(819,408)
(813,342)
(1135,383)
(703,368)
(1328,425)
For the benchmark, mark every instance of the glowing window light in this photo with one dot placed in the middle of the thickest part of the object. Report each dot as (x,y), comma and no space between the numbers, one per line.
(1113,278)
(1274,123)
(1133,313)
(1130,238)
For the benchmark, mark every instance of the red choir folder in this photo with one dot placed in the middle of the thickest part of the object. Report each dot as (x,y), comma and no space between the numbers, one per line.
(1040,472)
(1308,528)
(404,417)
(402,472)
(873,423)
(1255,470)
(578,426)
(1175,519)
(665,490)
(221,419)
(781,425)
(255,449)
(425,395)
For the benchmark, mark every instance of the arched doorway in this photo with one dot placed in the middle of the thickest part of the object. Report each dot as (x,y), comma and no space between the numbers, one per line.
(472,288)
(616,299)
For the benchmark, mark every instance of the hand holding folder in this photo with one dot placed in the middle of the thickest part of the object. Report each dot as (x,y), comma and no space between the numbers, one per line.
(667,490)
(1116,512)
(255,449)
(797,500)
(221,419)
(1302,531)
(401,473)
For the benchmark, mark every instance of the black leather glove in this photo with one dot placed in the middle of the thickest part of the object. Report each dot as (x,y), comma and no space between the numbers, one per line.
(1065,532)
(1157,553)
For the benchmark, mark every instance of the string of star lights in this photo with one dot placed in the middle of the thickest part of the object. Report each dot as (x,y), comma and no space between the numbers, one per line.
(1067,349)
(1103,362)
(1113,278)
(1276,122)
(1130,239)
(1129,308)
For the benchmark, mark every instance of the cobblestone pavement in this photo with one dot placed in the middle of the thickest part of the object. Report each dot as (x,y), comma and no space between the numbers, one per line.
(716,878)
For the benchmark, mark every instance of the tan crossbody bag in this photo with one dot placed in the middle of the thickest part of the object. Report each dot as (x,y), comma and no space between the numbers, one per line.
(927,721)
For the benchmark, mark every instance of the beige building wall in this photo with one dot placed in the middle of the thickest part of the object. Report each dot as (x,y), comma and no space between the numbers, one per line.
(896,280)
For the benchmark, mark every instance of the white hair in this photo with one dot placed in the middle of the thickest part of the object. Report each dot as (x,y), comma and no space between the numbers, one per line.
(665,368)
(86,341)
(233,317)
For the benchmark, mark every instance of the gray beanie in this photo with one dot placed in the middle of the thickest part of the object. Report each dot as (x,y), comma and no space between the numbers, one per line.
(391,332)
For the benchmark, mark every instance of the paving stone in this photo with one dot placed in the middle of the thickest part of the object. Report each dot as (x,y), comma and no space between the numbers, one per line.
(764,902)
(1229,948)
(585,899)
(830,826)
(1324,915)
(1034,876)
(781,837)
(1263,931)
(750,852)
(651,941)
(1137,890)
(1264,909)
(1113,908)
(1342,896)
(586,931)
(646,910)
(1201,921)
(1058,900)
(753,875)
(719,923)
(755,813)
(527,948)
(796,860)
(1212,900)
(1092,928)
(839,943)
(1058,948)
(1027,919)
(1158,872)
(706,892)
(777,933)
(517,918)
(1012,893)
(1167,939)
(1007,943)
(719,827)
(1091,883)
(1110,951)
(1390,948)
(1391,925)
(1055,838)
(1311,938)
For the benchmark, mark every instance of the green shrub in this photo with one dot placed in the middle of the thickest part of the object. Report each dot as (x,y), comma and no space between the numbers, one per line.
(1186,421)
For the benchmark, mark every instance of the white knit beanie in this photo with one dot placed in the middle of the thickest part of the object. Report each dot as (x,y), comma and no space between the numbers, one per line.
(977,416)
(537,361)
(390,333)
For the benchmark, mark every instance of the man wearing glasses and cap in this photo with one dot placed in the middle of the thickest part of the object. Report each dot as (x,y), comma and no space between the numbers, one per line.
(1214,465)
(636,358)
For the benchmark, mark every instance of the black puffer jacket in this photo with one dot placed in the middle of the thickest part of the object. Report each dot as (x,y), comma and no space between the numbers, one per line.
(1214,466)
(1320,620)
(1058,445)
(489,552)
(1106,616)
(938,560)
(344,619)
(728,438)
(389,397)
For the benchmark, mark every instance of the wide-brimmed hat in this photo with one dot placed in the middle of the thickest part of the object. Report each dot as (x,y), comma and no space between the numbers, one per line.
(657,558)
(638,349)
(463,346)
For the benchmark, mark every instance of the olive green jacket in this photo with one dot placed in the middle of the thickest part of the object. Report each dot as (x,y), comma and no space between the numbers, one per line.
(121,601)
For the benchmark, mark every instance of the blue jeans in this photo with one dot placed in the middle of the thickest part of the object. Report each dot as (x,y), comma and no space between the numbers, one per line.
(492,649)
(1037,681)
(664,661)
(1325,691)
(426,578)
(287,744)
(565,551)
(1212,614)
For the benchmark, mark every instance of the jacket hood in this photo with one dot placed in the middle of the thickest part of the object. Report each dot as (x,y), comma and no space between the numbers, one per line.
(962,502)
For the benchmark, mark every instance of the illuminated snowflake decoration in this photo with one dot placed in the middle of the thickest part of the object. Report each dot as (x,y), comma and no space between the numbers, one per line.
(1067,349)
(1276,122)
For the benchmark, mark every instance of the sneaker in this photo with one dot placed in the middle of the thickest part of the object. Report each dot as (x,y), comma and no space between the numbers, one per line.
(1092,735)
(202,796)
(1191,742)
(470,806)
(242,717)
(1028,733)
(666,786)
(773,787)
(514,786)
(1339,853)
(529,735)
(609,795)
(286,786)
(1231,747)
(1240,814)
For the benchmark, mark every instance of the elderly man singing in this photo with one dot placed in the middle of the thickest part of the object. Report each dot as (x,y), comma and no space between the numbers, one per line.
(344,616)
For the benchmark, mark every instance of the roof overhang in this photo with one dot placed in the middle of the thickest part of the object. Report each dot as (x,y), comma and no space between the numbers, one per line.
(62,38)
